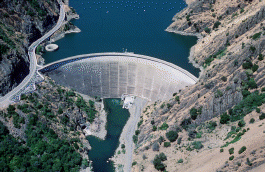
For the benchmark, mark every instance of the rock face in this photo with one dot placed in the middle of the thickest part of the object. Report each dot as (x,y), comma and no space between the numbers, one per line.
(231,33)
(21,23)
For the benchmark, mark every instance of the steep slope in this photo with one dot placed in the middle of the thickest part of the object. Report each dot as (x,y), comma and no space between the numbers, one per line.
(21,23)
(230,54)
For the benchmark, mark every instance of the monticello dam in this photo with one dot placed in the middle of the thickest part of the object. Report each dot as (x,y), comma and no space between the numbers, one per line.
(110,75)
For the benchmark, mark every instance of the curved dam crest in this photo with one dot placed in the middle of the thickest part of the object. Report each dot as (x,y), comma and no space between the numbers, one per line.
(109,75)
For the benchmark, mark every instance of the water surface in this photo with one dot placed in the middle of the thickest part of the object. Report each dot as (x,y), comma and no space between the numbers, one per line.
(102,150)
(113,26)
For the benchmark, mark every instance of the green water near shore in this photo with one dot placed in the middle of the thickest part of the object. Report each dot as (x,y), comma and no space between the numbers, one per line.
(102,150)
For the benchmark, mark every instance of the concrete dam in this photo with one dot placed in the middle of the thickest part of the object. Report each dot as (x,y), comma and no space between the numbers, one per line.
(109,75)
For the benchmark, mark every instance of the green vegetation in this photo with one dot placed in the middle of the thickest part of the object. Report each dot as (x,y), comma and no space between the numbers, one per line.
(43,151)
(158,162)
(89,109)
(248,162)
(231,157)
(135,139)
(252,120)
(167,144)
(252,48)
(38,49)
(122,146)
(35,5)
(216,24)
(241,123)
(211,125)
(262,116)
(161,139)
(221,150)
(6,39)
(134,163)
(255,67)
(195,112)
(180,160)
(137,132)
(260,58)
(224,118)
(172,135)
(155,146)
(231,151)
(207,30)
(185,123)
(164,126)
(242,149)
(223,78)
(256,36)
(218,94)
(197,144)
(3,50)
(154,128)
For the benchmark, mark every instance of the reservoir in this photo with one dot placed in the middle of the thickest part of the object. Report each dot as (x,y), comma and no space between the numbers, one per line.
(138,26)
(117,26)
(102,150)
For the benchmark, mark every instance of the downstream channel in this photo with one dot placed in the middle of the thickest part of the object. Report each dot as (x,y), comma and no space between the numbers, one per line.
(114,26)
(102,150)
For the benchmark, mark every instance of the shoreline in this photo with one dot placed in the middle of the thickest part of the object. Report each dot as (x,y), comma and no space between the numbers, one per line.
(123,162)
(192,49)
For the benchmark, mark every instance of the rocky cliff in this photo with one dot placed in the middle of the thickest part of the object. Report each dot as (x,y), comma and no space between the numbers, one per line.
(229,53)
(21,23)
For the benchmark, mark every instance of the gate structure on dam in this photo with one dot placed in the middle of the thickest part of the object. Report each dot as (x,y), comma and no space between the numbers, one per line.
(110,75)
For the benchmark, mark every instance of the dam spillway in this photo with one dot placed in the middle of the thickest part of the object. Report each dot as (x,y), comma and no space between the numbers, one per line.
(109,75)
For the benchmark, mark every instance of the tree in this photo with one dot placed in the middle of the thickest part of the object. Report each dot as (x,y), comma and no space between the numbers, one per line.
(224,118)
(155,146)
(193,113)
(172,135)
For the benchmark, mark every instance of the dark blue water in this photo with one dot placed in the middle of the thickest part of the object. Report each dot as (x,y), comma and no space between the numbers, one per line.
(137,26)
(102,150)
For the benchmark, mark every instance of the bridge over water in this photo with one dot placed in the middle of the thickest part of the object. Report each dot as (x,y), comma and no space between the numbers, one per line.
(109,75)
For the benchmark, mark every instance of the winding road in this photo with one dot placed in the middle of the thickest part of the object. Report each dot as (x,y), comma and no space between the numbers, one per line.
(28,84)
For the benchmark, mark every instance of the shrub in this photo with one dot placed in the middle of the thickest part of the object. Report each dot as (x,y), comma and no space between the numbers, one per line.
(180,160)
(185,123)
(224,118)
(247,65)
(207,30)
(193,113)
(218,94)
(164,126)
(152,122)
(177,99)
(242,150)
(231,151)
(255,68)
(197,144)
(252,120)
(167,144)
(260,58)
(179,140)
(155,147)
(159,165)
(221,150)
(60,111)
(161,139)
(122,146)
(211,126)
(241,123)
(252,84)
(135,139)
(224,78)
(263,89)
(137,132)
(172,136)
(154,128)
(248,162)
(216,24)
(252,48)
(231,157)
(256,36)
(262,116)
(192,134)
(134,163)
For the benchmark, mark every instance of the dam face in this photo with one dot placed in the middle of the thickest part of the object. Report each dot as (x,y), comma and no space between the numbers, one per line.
(109,75)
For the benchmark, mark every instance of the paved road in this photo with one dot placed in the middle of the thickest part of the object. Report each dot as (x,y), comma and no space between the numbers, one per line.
(6,100)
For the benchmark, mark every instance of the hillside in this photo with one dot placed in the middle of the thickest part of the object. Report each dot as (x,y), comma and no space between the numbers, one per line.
(216,111)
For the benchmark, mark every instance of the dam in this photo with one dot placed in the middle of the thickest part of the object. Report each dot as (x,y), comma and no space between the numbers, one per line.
(110,75)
